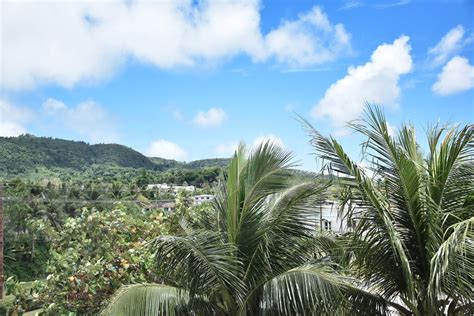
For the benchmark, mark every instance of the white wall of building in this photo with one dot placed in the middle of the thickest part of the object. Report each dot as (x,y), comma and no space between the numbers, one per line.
(198,199)
(328,218)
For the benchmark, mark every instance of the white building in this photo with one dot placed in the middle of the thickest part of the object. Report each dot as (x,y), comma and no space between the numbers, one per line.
(329,219)
(171,188)
(199,199)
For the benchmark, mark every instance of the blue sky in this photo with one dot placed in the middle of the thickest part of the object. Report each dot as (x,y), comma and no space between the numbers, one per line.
(190,79)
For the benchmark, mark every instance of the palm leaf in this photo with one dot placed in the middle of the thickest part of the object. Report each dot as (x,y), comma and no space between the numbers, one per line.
(452,265)
(147,299)
(202,264)
(317,289)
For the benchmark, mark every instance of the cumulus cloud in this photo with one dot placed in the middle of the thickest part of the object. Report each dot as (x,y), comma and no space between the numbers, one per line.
(166,149)
(456,76)
(375,82)
(450,44)
(268,138)
(86,41)
(87,119)
(214,117)
(226,149)
(311,39)
(13,119)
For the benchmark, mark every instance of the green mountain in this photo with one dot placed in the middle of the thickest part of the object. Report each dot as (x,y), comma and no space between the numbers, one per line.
(165,164)
(25,154)
(208,163)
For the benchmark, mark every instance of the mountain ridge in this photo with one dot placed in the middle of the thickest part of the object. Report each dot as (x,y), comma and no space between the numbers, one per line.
(23,154)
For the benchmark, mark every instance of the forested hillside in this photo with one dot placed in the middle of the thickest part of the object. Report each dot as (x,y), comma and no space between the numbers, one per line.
(27,154)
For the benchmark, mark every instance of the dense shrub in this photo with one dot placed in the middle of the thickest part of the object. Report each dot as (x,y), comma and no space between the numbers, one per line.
(94,255)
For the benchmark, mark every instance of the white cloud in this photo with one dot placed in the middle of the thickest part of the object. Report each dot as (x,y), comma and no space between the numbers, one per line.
(391,4)
(53,106)
(374,82)
(13,119)
(351,4)
(214,117)
(226,149)
(87,119)
(311,39)
(86,41)
(450,44)
(268,138)
(166,149)
(457,75)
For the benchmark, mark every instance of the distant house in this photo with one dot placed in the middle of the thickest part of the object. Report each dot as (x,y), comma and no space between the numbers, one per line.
(166,205)
(199,199)
(171,188)
(329,219)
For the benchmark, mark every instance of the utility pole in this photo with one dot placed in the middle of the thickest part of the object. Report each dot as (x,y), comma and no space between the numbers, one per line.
(1,240)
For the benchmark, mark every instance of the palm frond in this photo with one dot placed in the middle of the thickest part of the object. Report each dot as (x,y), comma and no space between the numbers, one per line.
(287,221)
(317,289)
(451,169)
(201,263)
(452,265)
(147,299)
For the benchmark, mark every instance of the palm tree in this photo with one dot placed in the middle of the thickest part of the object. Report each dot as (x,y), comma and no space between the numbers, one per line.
(254,253)
(413,243)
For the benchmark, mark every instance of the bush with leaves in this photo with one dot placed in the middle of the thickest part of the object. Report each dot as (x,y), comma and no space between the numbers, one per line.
(25,295)
(94,255)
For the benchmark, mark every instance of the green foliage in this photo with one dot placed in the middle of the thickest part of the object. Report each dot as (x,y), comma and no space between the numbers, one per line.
(208,163)
(166,164)
(25,295)
(95,254)
(6,305)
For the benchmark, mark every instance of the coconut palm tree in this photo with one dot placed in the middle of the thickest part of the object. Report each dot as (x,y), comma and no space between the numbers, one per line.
(254,253)
(413,243)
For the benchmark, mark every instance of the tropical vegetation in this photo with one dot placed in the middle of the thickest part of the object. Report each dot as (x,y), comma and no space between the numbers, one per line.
(410,249)
(85,235)
(256,252)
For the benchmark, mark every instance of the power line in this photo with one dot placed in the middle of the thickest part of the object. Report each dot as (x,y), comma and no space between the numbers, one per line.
(20,199)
